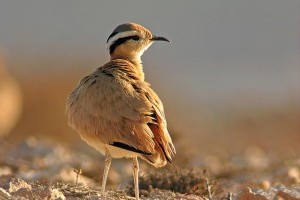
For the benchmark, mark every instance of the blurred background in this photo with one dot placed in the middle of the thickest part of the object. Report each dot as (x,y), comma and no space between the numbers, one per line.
(229,80)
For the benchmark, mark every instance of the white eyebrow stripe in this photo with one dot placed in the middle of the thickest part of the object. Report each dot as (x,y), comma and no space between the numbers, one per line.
(120,35)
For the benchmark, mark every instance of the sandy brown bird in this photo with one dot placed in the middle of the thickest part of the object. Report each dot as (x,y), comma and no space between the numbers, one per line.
(114,109)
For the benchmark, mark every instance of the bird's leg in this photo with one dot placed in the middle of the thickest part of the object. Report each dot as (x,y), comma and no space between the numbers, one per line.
(135,168)
(106,169)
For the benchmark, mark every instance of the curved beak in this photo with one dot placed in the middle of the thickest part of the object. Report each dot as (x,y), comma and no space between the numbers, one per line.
(158,38)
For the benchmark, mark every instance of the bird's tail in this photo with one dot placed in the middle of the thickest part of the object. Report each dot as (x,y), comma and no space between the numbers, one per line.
(164,149)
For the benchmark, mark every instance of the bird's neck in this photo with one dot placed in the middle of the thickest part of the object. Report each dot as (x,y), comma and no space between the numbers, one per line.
(135,60)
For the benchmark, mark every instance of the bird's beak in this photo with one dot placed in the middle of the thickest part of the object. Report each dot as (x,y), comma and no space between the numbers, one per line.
(158,38)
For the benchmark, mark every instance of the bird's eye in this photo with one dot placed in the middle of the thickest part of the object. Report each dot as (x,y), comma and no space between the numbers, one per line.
(135,38)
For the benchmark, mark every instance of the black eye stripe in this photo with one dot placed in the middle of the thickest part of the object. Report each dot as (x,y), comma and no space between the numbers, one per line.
(120,41)
(136,38)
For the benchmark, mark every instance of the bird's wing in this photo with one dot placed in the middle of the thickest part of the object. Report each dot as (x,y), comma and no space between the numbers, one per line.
(164,147)
(147,109)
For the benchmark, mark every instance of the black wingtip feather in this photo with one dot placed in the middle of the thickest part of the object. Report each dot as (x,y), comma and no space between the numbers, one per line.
(166,156)
(129,148)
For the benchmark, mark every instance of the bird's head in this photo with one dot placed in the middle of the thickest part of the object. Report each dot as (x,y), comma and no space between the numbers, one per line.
(130,41)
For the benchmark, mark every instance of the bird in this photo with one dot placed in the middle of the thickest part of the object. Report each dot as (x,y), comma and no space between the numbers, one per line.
(115,110)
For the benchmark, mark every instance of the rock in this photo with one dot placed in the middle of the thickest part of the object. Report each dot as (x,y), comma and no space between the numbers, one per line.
(294,174)
(4,194)
(265,184)
(284,195)
(11,184)
(274,192)
(247,194)
(56,194)
(20,189)
(291,192)
(39,193)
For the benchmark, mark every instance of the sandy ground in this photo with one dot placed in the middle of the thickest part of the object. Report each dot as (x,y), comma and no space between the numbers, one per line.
(39,169)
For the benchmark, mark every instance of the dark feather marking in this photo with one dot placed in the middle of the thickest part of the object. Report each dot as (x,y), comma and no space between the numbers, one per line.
(119,42)
(154,120)
(85,79)
(167,157)
(154,116)
(94,81)
(132,76)
(111,35)
(137,88)
(129,148)
(148,159)
(107,74)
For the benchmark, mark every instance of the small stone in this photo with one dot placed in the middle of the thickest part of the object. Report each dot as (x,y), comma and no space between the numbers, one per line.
(265,184)
(247,194)
(12,184)
(4,194)
(39,193)
(294,174)
(57,195)
(283,195)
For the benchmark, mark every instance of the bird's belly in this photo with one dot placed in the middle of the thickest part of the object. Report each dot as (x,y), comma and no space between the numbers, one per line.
(115,152)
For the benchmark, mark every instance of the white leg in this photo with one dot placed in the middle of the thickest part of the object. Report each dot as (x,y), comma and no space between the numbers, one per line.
(135,168)
(106,169)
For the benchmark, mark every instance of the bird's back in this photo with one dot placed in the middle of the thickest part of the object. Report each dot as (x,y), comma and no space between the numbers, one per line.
(114,108)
